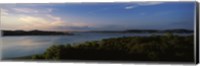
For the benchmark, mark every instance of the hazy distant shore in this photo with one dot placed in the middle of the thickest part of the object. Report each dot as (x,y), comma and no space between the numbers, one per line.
(32,33)
(147,31)
(40,33)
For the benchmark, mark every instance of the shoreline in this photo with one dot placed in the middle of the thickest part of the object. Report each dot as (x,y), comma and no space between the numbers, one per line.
(85,44)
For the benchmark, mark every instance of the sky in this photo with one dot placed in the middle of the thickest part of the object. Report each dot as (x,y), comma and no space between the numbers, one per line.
(98,16)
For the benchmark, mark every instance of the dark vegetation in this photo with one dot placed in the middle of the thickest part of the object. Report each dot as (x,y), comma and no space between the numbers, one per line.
(168,48)
(34,32)
(149,31)
(38,32)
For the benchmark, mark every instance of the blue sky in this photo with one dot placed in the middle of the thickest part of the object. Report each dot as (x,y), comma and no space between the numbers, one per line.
(98,16)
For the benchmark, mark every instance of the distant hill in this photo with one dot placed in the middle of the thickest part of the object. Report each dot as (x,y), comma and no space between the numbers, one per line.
(179,31)
(148,31)
(33,32)
(39,32)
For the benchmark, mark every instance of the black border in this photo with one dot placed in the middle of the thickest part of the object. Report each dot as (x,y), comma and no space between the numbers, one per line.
(197,33)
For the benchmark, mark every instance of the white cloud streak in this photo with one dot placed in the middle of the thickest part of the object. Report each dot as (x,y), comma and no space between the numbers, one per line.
(32,10)
(149,3)
(142,4)
(25,10)
(130,7)
(4,12)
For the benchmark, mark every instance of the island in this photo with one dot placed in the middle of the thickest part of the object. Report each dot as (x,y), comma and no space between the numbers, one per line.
(147,31)
(33,32)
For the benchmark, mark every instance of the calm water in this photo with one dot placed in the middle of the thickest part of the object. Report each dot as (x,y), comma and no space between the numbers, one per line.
(17,46)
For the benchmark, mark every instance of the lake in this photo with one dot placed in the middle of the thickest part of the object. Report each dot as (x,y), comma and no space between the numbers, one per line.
(18,46)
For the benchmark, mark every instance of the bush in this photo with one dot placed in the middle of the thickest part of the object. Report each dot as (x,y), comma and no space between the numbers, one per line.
(153,48)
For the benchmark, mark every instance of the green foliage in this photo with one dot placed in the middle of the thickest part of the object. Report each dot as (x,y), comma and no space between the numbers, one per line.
(37,57)
(54,52)
(168,47)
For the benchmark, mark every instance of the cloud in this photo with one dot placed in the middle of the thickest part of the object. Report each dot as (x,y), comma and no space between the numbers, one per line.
(67,23)
(142,4)
(32,10)
(53,17)
(130,7)
(49,22)
(4,12)
(25,10)
(34,18)
(149,3)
